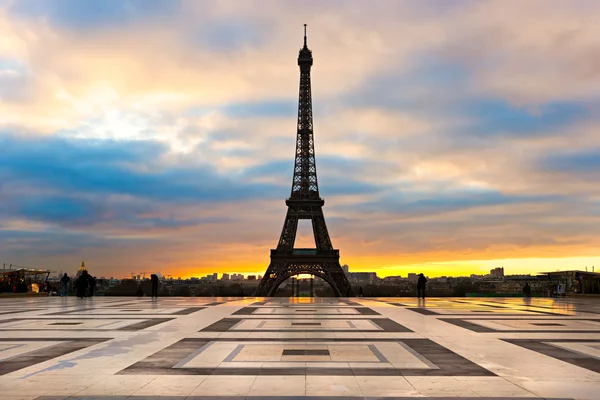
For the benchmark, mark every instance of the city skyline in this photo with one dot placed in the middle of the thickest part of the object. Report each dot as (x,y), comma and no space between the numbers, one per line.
(159,135)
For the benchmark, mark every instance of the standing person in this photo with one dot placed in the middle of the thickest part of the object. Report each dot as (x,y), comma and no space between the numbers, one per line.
(421,282)
(526,290)
(92,283)
(360,292)
(82,285)
(154,280)
(64,285)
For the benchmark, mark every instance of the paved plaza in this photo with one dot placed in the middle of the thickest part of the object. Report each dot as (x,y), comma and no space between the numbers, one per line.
(250,348)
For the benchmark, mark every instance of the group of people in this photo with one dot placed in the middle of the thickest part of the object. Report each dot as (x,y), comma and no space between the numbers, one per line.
(154,282)
(85,285)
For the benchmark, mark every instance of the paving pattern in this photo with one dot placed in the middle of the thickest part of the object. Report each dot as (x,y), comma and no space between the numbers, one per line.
(110,348)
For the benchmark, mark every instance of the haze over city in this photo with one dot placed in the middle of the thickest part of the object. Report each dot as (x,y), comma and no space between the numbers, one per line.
(451,137)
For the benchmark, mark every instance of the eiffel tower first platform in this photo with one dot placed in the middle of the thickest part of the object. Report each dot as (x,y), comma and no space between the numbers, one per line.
(305,203)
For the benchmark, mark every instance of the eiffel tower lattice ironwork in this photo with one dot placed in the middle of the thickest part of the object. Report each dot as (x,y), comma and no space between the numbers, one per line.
(305,203)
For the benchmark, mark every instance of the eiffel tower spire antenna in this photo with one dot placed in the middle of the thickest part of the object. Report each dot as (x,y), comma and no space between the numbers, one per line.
(304,35)
(304,203)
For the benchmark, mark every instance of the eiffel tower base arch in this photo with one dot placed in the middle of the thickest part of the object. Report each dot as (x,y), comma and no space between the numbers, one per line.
(283,267)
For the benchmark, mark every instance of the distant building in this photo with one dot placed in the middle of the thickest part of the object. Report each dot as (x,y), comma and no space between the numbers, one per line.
(476,277)
(363,277)
(582,282)
(225,277)
(497,272)
(412,277)
(346,269)
(81,269)
(392,279)
(251,277)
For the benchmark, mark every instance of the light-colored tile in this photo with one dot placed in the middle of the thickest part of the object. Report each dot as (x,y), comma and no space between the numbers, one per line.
(224,385)
(332,386)
(278,386)
(389,386)
(171,385)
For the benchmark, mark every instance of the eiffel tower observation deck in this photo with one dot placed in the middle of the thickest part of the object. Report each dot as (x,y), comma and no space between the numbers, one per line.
(304,203)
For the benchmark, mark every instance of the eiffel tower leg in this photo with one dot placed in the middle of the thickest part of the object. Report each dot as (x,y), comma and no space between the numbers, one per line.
(265,287)
(341,282)
(322,239)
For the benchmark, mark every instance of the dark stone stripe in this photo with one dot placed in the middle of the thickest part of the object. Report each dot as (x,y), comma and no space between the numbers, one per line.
(463,323)
(222,325)
(187,311)
(427,311)
(135,327)
(305,352)
(38,356)
(571,357)
(467,325)
(168,357)
(423,311)
(448,361)
(389,325)
(144,324)
(366,311)
(245,311)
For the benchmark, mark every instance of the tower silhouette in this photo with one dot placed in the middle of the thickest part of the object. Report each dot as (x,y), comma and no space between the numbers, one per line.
(304,203)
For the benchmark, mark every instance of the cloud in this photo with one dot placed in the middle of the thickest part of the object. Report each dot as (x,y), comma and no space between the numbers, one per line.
(90,14)
(163,132)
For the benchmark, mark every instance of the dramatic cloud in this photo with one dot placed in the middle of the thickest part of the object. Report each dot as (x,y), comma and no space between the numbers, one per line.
(450,136)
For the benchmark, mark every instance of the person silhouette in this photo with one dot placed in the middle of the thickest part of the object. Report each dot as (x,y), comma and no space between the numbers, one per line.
(421,282)
(527,290)
(64,285)
(82,285)
(154,280)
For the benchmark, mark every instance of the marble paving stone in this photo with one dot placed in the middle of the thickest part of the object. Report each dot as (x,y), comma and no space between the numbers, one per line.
(210,357)
(288,348)
(572,351)
(482,325)
(273,397)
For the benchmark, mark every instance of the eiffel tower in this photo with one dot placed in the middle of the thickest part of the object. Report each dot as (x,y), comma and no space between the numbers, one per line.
(305,203)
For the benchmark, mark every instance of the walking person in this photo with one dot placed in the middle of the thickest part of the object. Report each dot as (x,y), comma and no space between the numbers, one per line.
(154,280)
(64,285)
(421,282)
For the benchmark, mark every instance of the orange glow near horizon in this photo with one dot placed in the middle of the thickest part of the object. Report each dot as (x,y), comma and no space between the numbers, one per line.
(431,269)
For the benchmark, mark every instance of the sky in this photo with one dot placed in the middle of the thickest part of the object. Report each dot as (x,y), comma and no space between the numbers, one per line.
(451,136)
